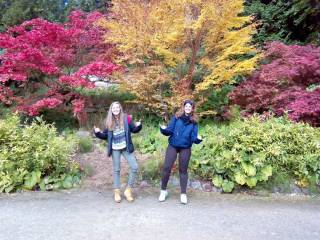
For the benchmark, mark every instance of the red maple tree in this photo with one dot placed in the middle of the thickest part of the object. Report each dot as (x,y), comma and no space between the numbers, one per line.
(288,82)
(55,58)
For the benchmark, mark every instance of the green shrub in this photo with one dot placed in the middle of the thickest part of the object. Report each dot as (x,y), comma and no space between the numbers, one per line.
(85,144)
(4,111)
(33,156)
(246,152)
(289,21)
(151,168)
(249,151)
(112,93)
(216,102)
(62,120)
(150,140)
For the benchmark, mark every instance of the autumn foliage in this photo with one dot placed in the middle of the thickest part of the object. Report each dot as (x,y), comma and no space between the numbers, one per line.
(166,44)
(167,50)
(288,83)
(43,63)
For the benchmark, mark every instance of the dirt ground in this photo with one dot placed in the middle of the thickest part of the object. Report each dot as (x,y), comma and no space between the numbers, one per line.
(99,167)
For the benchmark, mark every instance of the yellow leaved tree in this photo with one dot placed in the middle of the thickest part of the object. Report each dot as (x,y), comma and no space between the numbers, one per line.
(166,45)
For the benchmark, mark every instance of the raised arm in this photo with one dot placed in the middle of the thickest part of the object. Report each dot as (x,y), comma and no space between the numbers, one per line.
(102,135)
(167,131)
(134,127)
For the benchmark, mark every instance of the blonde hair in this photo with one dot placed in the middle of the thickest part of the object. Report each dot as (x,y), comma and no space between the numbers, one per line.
(111,120)
(193,115)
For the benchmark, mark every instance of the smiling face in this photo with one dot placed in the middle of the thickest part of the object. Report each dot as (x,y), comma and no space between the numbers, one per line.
(188,108)
(115,109)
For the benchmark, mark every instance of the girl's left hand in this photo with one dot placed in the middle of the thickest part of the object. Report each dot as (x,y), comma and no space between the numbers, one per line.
(96,130)
(199,137)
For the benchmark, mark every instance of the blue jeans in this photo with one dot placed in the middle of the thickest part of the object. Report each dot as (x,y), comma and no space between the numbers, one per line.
(131,159)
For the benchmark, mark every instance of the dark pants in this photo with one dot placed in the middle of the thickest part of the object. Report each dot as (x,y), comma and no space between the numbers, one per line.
(170,158)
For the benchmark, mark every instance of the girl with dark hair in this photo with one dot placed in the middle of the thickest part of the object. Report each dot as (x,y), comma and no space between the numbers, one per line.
(183,132)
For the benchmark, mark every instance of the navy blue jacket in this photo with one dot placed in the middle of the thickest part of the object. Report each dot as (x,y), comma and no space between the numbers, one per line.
(181,134)
(129,128)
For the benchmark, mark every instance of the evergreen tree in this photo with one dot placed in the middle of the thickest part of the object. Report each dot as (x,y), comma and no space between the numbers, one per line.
(289,21)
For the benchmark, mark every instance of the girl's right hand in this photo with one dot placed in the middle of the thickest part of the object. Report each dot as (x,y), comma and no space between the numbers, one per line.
(163,127)
(96,129)
(138,123)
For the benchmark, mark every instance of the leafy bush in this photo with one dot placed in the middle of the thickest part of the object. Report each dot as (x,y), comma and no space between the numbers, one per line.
(249,151)
(62,120)
(4,111)
(287,83)
(85,144)
(151,168)
(150,142)
(216,103)
(33,156)
(112,93)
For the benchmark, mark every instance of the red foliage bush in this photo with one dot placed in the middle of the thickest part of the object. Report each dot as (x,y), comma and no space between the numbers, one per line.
(282,84)
(55,57)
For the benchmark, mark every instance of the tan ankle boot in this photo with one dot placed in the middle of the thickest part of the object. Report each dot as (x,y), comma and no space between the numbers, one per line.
(128,194)
(117,195)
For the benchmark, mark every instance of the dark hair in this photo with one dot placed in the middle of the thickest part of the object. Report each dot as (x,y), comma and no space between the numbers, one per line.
(188,101)
(193,115)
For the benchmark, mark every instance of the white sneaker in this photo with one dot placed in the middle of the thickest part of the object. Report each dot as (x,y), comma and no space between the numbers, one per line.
(163,195)
(183,198)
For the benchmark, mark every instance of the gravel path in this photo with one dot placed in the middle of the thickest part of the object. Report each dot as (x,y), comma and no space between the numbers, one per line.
(86,213)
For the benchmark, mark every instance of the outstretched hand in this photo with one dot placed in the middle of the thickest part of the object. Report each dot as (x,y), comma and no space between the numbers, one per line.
(138,123)
(163,127)
(96,129)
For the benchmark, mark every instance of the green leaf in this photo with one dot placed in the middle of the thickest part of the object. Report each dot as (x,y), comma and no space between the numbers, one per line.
(217,181)
(39,119)
(219,167)
(227,186)
(249,169)
(58,185)
(9,189)
(252,182)
(266,172)
(32,179)
(76,180)
(240,178)
(37,175)
(67,182)
(42,185)
(226,155)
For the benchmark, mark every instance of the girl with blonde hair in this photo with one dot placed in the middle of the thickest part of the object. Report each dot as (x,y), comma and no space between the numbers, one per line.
(119,127)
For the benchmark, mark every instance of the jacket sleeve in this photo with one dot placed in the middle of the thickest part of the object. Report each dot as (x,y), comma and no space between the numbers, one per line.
(168,131)
(102,135)
(194,135)
(133,128)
